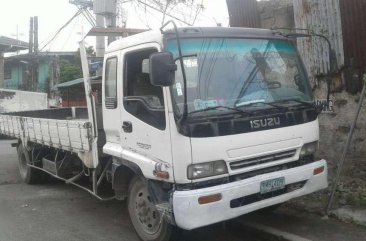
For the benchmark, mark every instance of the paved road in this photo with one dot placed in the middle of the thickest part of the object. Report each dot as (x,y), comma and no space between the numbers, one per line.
(60,212)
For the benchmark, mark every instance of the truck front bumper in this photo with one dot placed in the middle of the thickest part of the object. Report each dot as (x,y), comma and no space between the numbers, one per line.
(189,214)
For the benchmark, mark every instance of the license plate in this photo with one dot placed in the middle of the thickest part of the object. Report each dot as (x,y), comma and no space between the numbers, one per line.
(272,185)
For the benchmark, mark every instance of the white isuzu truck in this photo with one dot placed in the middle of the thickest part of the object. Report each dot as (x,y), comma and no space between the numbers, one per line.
(196,126)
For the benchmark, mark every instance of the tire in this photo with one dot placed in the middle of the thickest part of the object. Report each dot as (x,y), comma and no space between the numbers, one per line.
(145,218)
(28,174)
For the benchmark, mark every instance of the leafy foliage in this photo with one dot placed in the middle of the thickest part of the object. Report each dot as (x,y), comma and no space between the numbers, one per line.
(70,69)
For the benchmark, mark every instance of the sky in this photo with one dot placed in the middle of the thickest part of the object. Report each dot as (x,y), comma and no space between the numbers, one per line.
(52,14)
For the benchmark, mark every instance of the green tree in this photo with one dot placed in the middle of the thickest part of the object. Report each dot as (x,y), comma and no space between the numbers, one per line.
(71,69)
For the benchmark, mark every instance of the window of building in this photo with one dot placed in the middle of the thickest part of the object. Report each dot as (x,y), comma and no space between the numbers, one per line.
(7,73)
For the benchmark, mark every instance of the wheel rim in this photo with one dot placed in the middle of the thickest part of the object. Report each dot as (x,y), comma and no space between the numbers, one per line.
(147,214)
(23,165)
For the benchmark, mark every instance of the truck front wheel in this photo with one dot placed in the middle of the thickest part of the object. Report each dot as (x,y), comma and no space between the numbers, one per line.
(28,174)
(146,219)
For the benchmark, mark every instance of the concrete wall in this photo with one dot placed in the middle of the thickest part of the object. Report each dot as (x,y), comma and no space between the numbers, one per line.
(14,100)
(276,14)
(334,126)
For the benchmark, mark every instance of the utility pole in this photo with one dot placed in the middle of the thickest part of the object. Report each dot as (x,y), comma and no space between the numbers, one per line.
(100,40)
(32,65)
(105,15)
(31,32)
(105,11)
(35,19)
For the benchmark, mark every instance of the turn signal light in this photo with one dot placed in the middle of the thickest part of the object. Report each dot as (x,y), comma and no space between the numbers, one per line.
(161,174)
(210,198)
(318,170)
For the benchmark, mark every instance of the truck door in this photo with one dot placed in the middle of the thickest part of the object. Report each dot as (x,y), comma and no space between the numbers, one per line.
(145,130)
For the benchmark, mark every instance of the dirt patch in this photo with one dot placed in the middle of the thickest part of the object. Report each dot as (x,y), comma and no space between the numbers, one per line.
(351,191)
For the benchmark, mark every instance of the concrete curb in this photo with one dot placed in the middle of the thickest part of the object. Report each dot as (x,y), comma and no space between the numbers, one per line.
(281,235)
(348,214)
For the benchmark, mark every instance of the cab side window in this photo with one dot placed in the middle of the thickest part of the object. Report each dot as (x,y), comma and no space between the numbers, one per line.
(111,83)
(142,99)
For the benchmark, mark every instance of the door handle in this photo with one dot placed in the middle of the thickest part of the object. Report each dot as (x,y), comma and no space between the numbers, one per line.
(127,126)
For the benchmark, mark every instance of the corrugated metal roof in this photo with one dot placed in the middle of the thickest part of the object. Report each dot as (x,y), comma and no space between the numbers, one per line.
(243,13)
(354,37)
(98,31)
(94,80)
(33,55)
(11,45)
(322,17)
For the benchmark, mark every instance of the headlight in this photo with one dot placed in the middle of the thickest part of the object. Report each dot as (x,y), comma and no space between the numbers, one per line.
(207,169)
(309,149)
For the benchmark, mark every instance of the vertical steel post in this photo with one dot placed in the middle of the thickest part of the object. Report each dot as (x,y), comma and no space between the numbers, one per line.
(35,19)
(35,64)
(100,40)
(348,143)
(31,31)
(90,100)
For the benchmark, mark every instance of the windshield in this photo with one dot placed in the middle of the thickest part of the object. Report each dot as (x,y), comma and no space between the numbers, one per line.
(238,74)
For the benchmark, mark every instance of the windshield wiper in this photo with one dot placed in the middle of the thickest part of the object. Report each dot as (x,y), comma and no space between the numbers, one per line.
(297,101)
(281,108)
(218,107)
(249,103)
(318,108)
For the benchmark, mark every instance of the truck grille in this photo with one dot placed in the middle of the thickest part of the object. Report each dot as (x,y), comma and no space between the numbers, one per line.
(262,159)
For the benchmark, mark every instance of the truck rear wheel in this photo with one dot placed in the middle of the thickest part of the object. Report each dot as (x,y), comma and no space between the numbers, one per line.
(28,174)
(146,219)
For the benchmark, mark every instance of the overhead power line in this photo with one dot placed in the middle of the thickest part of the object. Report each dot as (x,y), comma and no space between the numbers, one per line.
(159,10)
(63,26)
(88,16)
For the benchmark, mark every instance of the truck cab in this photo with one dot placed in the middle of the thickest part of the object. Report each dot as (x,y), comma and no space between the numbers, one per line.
(230,127)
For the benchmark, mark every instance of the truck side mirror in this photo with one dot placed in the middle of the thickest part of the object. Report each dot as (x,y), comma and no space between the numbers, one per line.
(162,69)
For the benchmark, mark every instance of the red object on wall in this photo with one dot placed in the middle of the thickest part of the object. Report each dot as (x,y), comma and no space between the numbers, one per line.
(71,103)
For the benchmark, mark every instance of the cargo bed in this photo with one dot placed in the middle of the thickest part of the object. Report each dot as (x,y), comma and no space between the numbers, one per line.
(68,129)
